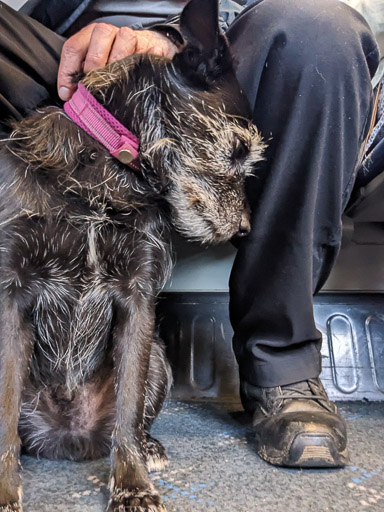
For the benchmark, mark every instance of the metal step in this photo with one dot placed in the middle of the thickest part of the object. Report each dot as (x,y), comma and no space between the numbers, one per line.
(197,332)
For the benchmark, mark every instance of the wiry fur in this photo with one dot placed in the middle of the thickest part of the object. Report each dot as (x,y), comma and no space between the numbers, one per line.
(84,252)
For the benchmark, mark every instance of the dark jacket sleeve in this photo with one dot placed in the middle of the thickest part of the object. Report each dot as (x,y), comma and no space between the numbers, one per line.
(57,15)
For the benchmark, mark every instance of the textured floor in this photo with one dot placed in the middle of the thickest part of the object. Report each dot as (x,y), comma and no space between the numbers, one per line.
(213,468)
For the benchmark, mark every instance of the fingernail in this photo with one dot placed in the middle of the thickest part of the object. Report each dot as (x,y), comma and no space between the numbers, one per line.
(64,93)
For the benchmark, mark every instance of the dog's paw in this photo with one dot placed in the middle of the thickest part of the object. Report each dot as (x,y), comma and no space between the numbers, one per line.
(11,507)
(130,501)
(156,457)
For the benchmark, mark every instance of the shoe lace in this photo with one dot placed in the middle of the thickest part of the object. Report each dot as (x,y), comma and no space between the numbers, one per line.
(290,392)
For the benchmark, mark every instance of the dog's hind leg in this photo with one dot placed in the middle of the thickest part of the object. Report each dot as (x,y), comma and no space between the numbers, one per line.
(15,349)
(159,384)
(131,488)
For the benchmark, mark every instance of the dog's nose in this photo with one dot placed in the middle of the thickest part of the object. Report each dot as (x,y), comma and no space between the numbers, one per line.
(245,225)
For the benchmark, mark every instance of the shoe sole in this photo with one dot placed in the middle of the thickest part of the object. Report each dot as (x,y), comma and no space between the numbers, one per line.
(307,451)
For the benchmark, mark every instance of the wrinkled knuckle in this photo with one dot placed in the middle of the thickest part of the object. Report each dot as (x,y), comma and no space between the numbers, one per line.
(70,48)
(94,59)
(127,32)
(141,36)
(104,28)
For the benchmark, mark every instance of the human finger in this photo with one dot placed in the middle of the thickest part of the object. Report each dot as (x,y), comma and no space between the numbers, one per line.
(100,45)
(71,61)
(124,44)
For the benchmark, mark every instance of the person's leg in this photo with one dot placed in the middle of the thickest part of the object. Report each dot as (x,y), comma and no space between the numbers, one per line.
(29,59)
(305,66)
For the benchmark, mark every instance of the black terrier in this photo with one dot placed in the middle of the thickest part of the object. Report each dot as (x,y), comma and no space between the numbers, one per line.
(85,250)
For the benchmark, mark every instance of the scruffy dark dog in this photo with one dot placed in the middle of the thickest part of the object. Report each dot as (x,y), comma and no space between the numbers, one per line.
(84,252)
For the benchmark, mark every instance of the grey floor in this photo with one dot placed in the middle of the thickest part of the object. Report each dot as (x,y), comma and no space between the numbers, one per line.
(214,468)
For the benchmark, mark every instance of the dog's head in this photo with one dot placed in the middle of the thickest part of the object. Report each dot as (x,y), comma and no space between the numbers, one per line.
(197,144)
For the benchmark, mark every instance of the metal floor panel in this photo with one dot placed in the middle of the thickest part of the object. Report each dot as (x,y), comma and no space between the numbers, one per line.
(197,332)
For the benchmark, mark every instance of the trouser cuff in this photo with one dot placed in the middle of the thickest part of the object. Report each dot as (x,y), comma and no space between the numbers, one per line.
(292,365)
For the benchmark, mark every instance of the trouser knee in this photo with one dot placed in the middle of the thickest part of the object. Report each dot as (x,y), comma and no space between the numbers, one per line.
(324,38)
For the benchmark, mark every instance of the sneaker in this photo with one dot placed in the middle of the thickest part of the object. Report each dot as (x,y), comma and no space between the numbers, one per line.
(298,426)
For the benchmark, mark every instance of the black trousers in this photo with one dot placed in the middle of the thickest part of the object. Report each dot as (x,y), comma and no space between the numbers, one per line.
(305,66)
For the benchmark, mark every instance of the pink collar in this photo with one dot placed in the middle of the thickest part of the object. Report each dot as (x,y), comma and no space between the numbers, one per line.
(92,117)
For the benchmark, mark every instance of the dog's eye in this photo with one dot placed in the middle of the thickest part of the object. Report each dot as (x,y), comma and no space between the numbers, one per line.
(240,150)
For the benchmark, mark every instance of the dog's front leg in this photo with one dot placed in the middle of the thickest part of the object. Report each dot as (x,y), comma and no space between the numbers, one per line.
(131,488)
(15,352)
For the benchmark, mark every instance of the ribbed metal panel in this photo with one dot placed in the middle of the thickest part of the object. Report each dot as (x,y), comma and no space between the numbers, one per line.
(196,329)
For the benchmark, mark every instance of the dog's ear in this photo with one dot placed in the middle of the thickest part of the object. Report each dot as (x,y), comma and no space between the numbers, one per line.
(206,55)
(199,25)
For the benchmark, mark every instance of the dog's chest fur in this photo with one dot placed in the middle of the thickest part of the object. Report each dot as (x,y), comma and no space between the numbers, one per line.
(69,276)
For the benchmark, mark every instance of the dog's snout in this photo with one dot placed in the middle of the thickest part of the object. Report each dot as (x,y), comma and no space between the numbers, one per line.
(245,225)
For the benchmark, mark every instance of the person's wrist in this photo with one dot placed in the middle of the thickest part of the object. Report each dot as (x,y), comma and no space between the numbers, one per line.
(169,37)
(165,37)
(171,33)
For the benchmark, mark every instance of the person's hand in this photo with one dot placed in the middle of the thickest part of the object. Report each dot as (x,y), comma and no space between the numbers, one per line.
(99,44)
